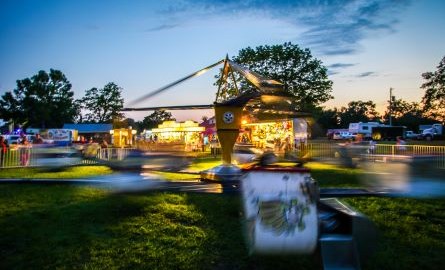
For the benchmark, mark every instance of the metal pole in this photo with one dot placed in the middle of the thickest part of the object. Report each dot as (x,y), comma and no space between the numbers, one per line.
(390,106)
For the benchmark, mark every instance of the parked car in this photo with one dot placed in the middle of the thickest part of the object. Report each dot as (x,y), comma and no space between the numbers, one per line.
(409,134)
(12,139)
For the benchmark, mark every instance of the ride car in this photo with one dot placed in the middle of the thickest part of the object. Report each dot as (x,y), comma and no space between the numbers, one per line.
(49,156)
(245,154)
(342,135)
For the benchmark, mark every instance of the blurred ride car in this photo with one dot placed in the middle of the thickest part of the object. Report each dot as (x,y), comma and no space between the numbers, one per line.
(245,154)
(412,176)
(48,156)
(140,160)
(342,135)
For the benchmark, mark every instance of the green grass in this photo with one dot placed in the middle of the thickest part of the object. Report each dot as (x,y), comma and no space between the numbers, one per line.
(85,228)
(334,176)
(57,173)
(79,227)
(412,232)
(198,165)
(204,163)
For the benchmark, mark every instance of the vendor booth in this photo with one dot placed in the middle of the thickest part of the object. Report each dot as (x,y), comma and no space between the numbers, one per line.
(279,135)
(121,137)
(177,135)
(171,131)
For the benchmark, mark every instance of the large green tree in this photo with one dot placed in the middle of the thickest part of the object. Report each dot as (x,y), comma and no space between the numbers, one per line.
(126,123)
(11,108)
(103,105)
(400,107)
(154,119)
(407,114)
(42,101)
(303,76)
(434,98)
(328,118)
(358,111)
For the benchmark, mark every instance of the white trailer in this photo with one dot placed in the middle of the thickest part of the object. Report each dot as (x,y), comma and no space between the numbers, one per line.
(364,129)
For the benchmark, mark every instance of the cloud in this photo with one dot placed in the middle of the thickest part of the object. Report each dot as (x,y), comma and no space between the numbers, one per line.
(366,74)
(335,68)
(330,72)
(162,27)
(340,65)
(333,27)
(338,28)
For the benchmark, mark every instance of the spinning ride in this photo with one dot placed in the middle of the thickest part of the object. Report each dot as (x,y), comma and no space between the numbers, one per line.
(283,211)
(265,98)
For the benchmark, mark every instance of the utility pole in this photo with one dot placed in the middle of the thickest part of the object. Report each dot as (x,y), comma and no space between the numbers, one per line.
(390,106)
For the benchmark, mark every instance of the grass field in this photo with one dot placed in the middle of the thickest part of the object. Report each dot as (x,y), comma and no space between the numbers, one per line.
(56,173)
(80,227)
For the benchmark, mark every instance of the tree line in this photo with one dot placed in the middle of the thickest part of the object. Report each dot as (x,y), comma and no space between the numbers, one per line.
(46,100)
(431,109)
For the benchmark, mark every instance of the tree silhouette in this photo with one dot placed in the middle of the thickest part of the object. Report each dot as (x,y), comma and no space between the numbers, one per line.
(103,105)
(434,98)
(42,101)
(303,76)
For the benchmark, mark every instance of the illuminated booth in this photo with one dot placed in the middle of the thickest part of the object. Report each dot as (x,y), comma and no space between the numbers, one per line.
(272,134)
(121,137)
(188,132)
(277,135)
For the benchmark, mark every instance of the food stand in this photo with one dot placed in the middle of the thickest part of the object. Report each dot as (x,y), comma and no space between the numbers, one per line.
(278,135)
(121,137)
(187,135)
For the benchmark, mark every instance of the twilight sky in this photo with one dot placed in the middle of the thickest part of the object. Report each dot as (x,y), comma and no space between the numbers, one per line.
(368,46)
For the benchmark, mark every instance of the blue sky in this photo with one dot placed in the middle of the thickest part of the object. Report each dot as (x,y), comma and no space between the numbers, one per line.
(368,45)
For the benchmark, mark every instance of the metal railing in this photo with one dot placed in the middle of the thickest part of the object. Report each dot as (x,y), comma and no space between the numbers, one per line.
(322,151)
(17,157)
(113,153)
(58,156)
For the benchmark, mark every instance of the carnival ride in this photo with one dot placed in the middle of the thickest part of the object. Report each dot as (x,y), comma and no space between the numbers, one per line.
(284,210)
(266,98)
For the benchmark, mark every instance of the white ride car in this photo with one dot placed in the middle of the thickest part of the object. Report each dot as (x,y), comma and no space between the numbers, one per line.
(245,154)
(342,135)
